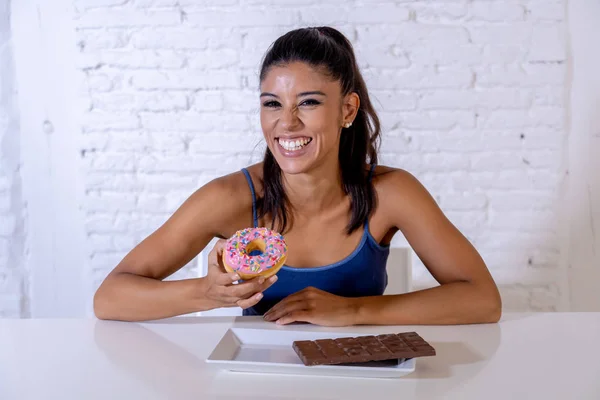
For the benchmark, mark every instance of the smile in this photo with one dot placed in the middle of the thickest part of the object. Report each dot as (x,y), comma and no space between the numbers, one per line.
(294,144)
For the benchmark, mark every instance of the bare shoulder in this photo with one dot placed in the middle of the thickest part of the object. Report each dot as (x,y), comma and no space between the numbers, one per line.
(400,194)
(389,181)
(224,203)
(226,187)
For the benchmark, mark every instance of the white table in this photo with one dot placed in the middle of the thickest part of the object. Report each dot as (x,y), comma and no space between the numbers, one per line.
(525,356)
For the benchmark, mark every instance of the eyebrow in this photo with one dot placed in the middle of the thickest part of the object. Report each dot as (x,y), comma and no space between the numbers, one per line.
(317,92)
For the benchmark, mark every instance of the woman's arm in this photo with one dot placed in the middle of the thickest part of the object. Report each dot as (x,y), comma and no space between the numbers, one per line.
(467,291)
(135,289)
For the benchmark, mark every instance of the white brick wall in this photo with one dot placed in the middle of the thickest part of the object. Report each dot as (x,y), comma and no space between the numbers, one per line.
(470,93)
(13,279)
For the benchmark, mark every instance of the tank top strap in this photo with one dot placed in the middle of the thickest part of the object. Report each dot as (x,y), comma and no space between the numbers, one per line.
(251,184)
(371,172)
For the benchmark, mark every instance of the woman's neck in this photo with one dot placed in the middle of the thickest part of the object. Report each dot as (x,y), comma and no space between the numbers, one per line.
(313,192)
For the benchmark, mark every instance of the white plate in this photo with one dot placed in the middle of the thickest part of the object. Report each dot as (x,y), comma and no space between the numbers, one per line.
(270,351)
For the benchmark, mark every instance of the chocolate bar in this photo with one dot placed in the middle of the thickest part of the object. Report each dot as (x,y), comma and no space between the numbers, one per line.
(362,349)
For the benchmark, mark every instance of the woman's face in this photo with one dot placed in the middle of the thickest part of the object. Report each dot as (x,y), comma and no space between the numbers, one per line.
(302,113)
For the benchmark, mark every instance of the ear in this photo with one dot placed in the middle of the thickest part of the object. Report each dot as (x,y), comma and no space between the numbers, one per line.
(350,106)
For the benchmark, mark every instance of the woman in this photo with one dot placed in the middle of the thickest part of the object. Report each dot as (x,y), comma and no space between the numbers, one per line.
(320,187)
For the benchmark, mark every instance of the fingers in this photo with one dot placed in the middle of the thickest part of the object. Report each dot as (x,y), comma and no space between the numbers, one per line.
(244,294)
(304,294)
(226,278)
(249,288)
(214,257)
(289,307)
(295,316)
(218,247)
(252,301)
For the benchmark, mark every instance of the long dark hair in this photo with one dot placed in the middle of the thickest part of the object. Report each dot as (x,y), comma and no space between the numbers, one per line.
(329,50)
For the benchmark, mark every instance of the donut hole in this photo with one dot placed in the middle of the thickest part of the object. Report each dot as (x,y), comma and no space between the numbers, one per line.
(256,248)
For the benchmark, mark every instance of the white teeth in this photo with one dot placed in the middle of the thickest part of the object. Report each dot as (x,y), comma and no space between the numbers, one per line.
(292,145)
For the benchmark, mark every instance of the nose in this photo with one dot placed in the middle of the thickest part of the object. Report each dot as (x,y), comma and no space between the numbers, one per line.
(289,119)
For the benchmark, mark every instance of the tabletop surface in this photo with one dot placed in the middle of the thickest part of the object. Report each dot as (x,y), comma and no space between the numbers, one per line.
(524,356)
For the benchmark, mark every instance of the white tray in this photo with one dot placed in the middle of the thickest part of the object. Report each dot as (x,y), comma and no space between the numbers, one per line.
(270,351)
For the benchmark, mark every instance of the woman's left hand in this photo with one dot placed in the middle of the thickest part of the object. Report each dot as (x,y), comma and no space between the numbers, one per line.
(316,307)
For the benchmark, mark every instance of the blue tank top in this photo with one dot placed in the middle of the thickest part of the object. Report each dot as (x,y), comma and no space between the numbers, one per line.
(362,273)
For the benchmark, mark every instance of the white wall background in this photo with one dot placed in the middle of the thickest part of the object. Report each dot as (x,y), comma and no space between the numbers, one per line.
(125,107)
(581,201)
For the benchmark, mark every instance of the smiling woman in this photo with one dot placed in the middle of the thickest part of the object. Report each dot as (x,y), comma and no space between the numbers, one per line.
(319,186)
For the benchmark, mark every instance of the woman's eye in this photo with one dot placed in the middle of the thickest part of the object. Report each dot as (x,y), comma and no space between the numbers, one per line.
(274,104)
(271,104)
(310,102)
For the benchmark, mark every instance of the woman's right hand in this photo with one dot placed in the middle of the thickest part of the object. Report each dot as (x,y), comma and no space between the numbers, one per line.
(220,289)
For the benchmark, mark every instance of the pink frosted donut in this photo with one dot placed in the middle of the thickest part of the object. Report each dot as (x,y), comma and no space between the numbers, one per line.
(270,248)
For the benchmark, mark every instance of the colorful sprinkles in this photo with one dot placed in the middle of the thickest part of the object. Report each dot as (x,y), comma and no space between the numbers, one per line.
(271,244)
